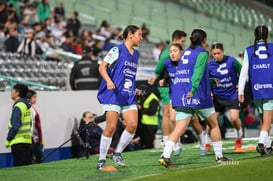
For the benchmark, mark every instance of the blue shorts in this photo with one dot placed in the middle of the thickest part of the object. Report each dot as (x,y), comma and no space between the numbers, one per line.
(119,109)
(263,105)
(184,113)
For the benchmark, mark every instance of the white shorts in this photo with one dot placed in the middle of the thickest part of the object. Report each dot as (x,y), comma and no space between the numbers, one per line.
(184,113)
(264,105)
(119,109)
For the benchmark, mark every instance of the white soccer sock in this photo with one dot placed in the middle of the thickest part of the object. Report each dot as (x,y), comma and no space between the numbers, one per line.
(168,149)
(125,139)
(202,139)
(239,133)
(165,138)
(178,143)
(217,147)
(208,140)
(104,146)
(263,136)
(268,142)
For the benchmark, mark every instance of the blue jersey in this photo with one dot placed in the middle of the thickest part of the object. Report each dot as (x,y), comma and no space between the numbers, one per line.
(182,84)
(123,74)
(228,78)
(171,68)
(260,71)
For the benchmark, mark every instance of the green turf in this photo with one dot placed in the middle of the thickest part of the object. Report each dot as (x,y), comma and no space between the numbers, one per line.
(142,165)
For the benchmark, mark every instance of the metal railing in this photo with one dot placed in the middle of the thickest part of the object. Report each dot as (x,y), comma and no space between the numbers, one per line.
(12,81)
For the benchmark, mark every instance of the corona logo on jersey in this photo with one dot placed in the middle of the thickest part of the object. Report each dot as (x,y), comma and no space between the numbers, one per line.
(262,86)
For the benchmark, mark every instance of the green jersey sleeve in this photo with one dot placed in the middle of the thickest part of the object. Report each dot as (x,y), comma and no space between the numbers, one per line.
(199,69)
(159,69)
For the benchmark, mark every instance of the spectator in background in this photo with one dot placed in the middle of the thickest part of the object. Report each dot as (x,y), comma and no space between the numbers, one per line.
(86,38)
(46,24)
(43,10)
(12,42)
(21,12)
(116,34)
(148,109)
(84,74)
(77,46)
(19,129)
(67,44)
(145,32)
(105,29)
(73,24)
(30,14)
(36,129)
(114,39)
(37,27)
(48,44)
(12,15)
(157,50)
(3,12)
(39,40)
(97,48)
(14,4)
(57,31)
(90,132)
(59,10)
(28,45)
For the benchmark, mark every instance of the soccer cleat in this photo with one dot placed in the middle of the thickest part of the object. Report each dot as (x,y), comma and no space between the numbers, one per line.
(269,150)
(116,157)
(166,162)
(202,152)
(207,147)
(177,151)
(260,148)
(101,164)
(222,159)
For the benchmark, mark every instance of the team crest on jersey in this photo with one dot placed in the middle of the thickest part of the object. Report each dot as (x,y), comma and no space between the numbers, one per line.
(127,87)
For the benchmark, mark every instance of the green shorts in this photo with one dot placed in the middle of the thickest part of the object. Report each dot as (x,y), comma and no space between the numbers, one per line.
(117,108)
(184,113)
(164,94)
(264,105)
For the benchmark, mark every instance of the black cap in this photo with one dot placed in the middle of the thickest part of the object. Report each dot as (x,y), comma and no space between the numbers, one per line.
(86,49)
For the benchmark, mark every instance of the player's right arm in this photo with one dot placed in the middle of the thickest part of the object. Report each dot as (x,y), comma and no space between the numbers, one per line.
(159,69)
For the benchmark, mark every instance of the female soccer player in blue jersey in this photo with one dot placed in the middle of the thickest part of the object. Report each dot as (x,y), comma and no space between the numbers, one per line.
(170,68)
(224,74)
(117,93)
(192,96)
(258,68)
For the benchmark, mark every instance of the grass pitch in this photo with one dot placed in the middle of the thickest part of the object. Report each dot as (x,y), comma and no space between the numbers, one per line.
(143,165)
